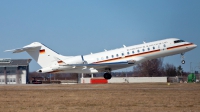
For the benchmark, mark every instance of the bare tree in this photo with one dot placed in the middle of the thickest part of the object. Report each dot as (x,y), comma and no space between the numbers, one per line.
(180,71)
(170,70)
(149,68)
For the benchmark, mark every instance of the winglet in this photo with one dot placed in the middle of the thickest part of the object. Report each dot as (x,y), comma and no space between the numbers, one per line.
(124,46)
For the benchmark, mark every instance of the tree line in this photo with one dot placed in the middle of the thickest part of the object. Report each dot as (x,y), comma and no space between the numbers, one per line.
(156,68)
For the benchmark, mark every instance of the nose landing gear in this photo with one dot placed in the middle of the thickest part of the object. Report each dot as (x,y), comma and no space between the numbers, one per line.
(182,57)
(183,61)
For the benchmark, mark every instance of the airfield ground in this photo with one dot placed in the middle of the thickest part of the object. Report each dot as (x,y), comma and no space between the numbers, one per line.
(104,98)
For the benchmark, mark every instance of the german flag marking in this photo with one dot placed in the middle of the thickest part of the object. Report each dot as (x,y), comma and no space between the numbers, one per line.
(59,62)
(42,51)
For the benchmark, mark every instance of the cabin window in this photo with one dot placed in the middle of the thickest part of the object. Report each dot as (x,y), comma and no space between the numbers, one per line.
(138,51)
(164,45)
(127,53)
(143,50)
(148,49)
(117,55)
(106,57)
(133,52)
(112,56)
(153,47)
(122,54)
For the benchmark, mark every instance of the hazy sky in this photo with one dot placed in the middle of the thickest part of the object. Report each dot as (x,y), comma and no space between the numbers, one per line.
(79,27)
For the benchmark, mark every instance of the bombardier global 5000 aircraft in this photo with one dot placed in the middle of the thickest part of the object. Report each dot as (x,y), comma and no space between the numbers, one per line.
(52,62)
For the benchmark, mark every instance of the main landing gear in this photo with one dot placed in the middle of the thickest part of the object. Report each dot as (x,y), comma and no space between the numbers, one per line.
(107,75)
(182,57)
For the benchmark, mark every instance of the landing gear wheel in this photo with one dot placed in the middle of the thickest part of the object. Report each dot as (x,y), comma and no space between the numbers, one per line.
(183,61)
(182,57)
(107,76)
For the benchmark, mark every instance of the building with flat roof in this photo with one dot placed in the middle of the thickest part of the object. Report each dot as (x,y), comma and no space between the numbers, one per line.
(14,71)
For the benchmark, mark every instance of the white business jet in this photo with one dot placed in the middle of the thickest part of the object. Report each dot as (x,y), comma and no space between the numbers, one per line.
(52,62)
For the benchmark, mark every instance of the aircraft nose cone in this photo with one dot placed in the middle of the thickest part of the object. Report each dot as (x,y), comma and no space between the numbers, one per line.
(195,45)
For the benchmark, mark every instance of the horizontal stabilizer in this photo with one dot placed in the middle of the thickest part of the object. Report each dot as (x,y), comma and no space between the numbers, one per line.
(43,55)
(21,49)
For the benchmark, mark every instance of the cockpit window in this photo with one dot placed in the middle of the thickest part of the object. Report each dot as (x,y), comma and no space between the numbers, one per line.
(179,41)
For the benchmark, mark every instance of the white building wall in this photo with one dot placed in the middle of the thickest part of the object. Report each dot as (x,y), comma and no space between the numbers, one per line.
(23,77)
(137,79)
(131,80)
(11,79)
(2,76)
(2,79)
(117,80)
(85,80)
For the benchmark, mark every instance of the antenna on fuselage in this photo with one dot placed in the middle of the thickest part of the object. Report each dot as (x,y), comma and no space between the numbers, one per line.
(144,42)
(124,46)
(105,50)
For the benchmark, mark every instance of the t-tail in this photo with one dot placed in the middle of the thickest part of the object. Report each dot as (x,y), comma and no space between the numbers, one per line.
(43,55)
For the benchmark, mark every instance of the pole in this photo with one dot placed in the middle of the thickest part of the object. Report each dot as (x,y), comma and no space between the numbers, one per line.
(92,76)
(50,78)
(199,67)
(5,74)
(126,73)
(199,71)
(82,80)
(17,76)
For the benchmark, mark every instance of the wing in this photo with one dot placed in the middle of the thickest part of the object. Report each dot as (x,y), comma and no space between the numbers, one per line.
(113,66)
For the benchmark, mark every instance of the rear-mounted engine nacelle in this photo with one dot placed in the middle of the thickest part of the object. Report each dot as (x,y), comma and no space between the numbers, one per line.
(45,70)
(48,69)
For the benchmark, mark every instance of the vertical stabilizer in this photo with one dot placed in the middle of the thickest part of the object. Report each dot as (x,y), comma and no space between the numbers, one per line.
(43,55)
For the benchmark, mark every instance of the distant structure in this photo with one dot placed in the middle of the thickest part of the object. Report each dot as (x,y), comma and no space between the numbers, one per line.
(14,71)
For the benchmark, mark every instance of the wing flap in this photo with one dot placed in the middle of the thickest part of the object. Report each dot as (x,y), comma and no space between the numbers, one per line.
(98,66)
(102,66)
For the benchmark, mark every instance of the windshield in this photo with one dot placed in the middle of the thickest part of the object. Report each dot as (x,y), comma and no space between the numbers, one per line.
(179,41)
